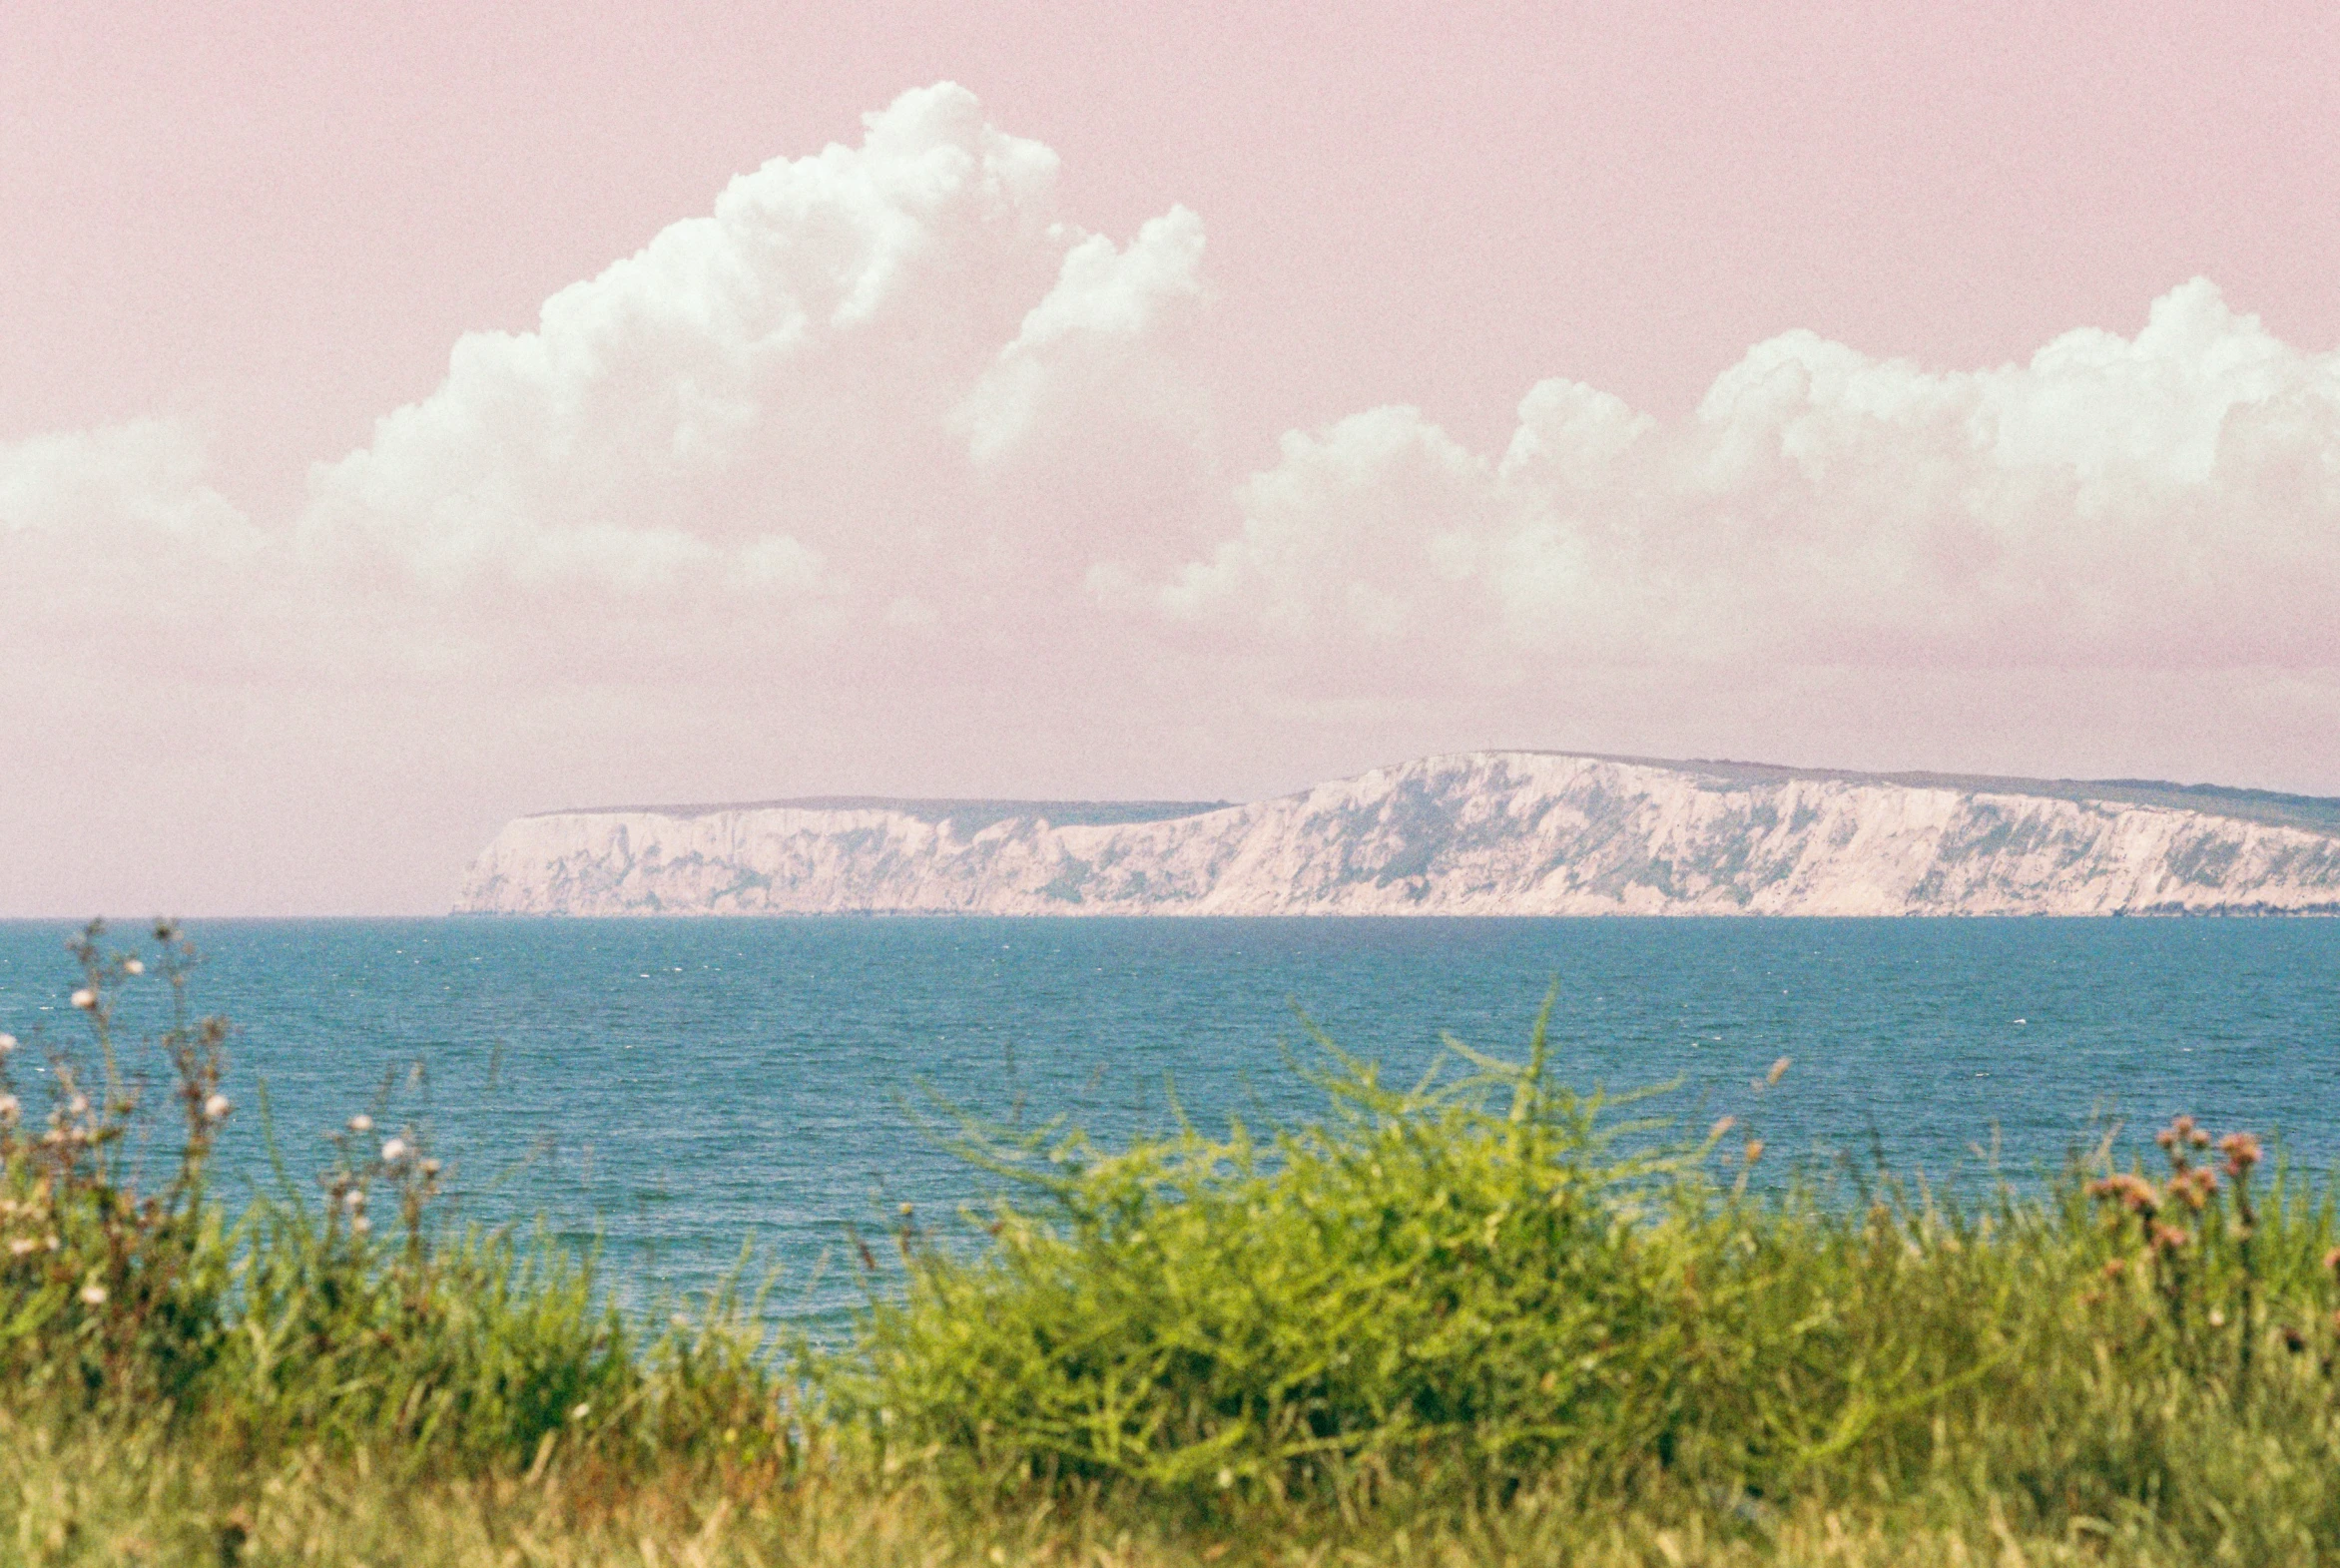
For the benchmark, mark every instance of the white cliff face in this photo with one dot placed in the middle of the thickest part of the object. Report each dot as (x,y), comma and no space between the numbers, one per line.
(1486,833)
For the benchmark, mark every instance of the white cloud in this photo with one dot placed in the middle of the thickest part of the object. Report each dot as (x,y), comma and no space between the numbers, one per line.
(2168,499)
(1098,333)
(788,411)
(114,544)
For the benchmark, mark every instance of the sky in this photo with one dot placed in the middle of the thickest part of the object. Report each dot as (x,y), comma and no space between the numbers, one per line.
(412,416)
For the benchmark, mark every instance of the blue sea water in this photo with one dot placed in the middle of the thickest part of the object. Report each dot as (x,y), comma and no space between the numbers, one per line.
(681,1088)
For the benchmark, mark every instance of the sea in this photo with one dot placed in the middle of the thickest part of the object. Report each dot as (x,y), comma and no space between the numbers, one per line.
(699,1100)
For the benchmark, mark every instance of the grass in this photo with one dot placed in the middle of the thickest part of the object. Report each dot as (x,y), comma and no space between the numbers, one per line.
(1476,1319)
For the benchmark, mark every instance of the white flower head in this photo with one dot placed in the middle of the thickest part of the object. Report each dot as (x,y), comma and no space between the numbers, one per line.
(7,1043)
(133,966)
(85,998)
(354,1198)
(394,1150)
(95,1295)
(79,1105)
(10,1108)
(361,1123)
(218,1107)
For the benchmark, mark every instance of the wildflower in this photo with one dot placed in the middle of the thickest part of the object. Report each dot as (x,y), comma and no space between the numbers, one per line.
(2217,1318)
(431,1168)
(1754,1150)
(1778,1071)
(2135,1193)
(21,1245)
(217,1108)
(354,1198)
(2170,1237)
(360,1226)
(361,1123)
(79,1105)
(133,966)
(94,1295)
(10,1109)
(1721,1127)
(7,1043)
(580,1411)
(394,1150)
(2241,1151)
(2193,1188)
(85,998)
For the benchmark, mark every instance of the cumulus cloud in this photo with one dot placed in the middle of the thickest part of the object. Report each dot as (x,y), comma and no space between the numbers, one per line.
(2170,499)
(788,411)
(112,540)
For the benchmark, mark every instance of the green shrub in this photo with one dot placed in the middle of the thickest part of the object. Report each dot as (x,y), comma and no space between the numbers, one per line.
(1486,1282)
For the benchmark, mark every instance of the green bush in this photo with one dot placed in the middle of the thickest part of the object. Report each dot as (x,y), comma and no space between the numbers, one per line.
(1479,1285)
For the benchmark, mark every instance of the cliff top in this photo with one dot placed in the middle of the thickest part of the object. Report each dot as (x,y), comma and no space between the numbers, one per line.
(2315,814)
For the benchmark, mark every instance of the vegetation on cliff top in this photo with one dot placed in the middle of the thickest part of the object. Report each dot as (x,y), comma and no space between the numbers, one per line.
(1476,1319)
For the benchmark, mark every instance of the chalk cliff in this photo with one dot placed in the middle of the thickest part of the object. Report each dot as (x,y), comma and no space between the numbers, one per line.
(1483,833)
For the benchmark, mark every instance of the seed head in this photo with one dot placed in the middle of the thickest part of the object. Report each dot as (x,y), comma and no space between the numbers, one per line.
(218,1107)
(394,1150)
(85,998)
(361,1123)
(1754,1150)
(133,966)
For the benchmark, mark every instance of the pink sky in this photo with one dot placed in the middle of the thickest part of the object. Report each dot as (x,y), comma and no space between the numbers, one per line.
(1197,402)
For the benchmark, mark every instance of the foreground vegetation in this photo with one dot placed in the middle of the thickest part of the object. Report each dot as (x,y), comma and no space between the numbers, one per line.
(1479,1319)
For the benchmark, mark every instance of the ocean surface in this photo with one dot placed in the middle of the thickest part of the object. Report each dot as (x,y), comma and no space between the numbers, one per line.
(680,1088)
